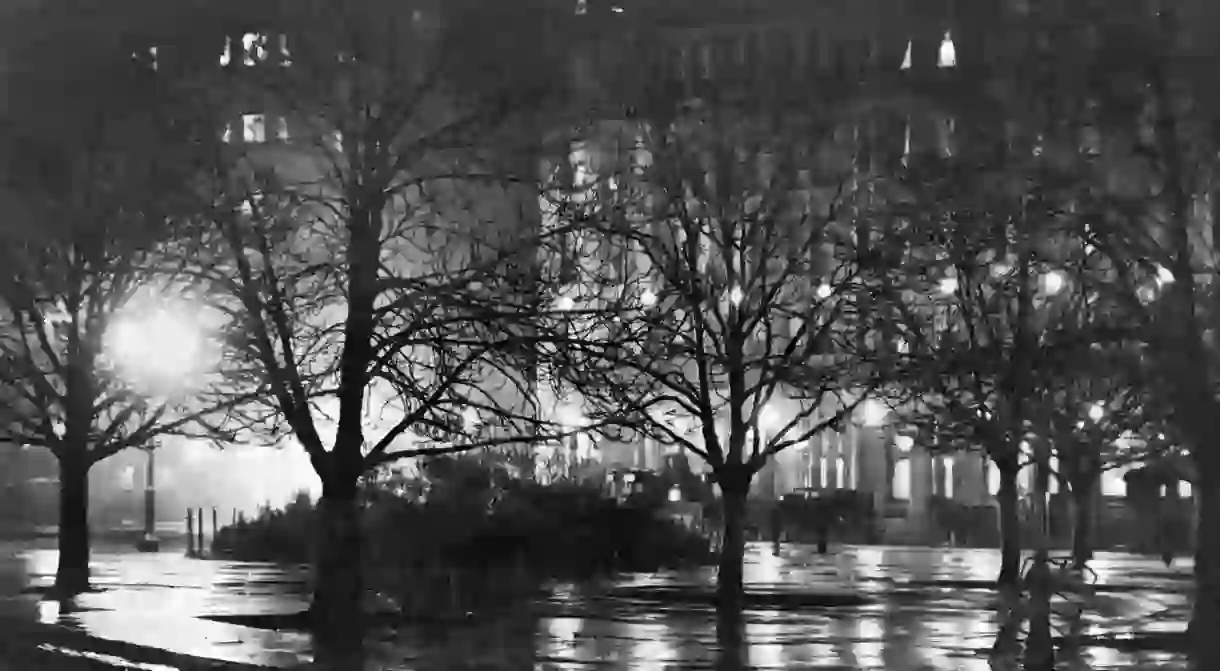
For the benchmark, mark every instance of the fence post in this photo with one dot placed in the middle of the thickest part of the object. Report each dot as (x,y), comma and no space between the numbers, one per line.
(190,533)
(215,525)
(200,516)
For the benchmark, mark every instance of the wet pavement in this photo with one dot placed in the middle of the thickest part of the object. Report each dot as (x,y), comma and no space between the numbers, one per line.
(923,609)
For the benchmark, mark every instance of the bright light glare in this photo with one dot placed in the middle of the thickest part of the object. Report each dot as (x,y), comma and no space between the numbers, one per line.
(873,412)
(160,350)
(1163,276)
(565,303)
(1096,412)
(648,298)
(947,285)
(947,57)
(1053,282)
(823,291)
(736,295)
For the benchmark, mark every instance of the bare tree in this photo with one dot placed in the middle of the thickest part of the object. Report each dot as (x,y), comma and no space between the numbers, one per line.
(90,179)
(713,294)
(373,237)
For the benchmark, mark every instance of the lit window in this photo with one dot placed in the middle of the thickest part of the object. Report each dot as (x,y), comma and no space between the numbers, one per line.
(1184,489)
(840,473)
(993,478)
(948,54)
(226,56)
(948,473)
(1052,486)
(823,476)
(253,128)
(254,48)
(900,488)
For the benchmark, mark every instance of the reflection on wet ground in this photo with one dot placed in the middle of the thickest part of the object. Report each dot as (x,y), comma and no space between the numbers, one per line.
(908,620)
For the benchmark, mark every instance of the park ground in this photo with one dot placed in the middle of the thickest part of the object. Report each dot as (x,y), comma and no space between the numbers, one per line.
(856,608)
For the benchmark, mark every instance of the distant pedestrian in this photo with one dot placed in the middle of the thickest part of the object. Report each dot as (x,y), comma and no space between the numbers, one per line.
(823,531)
(777,527)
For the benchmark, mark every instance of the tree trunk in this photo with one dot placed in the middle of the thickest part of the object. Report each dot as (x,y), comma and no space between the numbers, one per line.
(1082,526)
(1010,527)
(730,585)
(337,609)
(72,574)
(1205,618)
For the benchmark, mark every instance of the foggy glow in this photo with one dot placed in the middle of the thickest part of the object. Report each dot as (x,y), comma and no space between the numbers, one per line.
(160,347)
(1096,412)
(1053,282)
(873,413)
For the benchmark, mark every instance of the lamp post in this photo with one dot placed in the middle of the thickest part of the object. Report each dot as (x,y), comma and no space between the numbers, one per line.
(150,543)
(159,347)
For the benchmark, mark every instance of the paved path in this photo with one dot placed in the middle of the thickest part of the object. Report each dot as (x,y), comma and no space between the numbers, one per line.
(912,623)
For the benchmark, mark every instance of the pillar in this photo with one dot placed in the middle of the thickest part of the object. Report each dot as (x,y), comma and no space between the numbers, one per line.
(921,487)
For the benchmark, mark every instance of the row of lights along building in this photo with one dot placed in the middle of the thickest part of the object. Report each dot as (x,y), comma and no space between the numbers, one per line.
(789,46)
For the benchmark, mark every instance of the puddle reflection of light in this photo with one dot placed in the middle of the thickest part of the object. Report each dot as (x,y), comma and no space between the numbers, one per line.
(870,644)
(768,568)
(868,562)
(117,662)
(48,612)
(562,633)
(766,646)
(652,646)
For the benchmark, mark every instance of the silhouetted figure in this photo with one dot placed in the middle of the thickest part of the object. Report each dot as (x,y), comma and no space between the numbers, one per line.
(823,530)
(777,528)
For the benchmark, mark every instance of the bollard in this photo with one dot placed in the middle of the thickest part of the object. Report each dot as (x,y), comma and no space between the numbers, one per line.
(200,518)
(190,533)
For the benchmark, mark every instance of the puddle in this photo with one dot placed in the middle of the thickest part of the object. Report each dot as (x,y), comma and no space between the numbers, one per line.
(843,610)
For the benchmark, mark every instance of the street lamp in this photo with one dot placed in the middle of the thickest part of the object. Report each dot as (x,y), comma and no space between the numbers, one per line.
(158,347)
(1096,412)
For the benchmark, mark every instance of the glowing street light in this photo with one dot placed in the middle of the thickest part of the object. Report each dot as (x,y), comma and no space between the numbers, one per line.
(873,413)
(161,349)
(736,295)
(1096,412)
(1053,282)
(823,291)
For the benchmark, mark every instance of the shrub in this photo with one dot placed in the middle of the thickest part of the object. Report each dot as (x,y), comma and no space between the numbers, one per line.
(471,522)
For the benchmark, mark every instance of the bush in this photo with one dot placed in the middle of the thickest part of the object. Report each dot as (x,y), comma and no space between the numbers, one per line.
(472,527)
